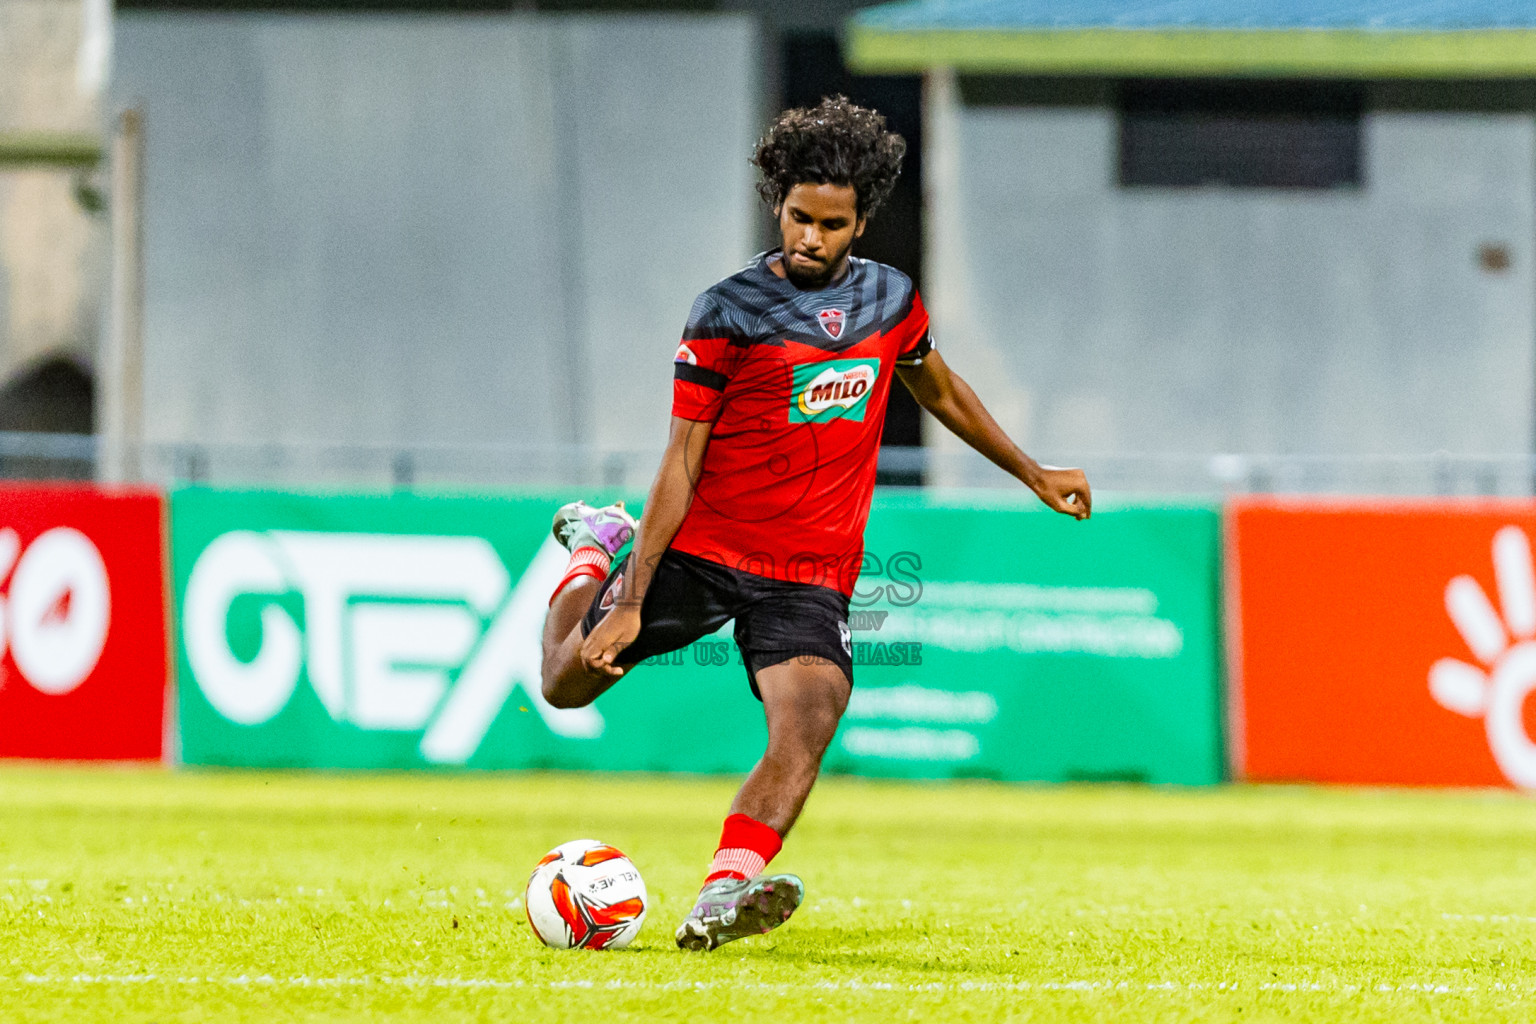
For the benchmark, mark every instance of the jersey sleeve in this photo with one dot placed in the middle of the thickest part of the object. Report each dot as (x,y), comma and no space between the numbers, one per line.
(704,363)
(914,340)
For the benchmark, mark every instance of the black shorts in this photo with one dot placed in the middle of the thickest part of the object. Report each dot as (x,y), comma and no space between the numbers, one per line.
(691,597)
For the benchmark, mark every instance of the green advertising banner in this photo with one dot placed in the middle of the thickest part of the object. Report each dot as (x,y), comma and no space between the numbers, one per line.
(403,631)
(1050,649)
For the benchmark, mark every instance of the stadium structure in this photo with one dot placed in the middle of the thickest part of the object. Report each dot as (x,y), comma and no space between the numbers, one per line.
(312,313)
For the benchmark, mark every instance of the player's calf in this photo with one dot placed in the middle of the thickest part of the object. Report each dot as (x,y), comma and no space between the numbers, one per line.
(566,681)
(593,536)
(803,699)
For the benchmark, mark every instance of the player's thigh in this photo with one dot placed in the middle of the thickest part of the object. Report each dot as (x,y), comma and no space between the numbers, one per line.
(682,604)
(800,626)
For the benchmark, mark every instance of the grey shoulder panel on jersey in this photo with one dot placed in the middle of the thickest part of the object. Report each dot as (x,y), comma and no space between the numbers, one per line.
(748,309)
(728,309)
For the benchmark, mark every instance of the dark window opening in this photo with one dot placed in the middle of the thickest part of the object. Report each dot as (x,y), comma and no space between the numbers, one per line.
(54,395)
(1180,134)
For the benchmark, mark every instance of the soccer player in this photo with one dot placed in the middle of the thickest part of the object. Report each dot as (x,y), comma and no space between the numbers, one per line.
(757,513)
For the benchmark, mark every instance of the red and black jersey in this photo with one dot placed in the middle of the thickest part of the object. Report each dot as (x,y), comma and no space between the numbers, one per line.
(795,383)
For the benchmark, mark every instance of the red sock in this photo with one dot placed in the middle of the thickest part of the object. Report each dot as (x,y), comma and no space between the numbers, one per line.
(584,562)
(746,847)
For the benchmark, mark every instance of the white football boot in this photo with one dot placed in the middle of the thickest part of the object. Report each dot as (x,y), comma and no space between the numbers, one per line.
(579,525)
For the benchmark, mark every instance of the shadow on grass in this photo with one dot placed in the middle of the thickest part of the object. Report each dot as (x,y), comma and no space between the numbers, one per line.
(879,958)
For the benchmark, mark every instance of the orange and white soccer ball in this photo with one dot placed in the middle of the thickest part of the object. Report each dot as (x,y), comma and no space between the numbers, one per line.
(586,895)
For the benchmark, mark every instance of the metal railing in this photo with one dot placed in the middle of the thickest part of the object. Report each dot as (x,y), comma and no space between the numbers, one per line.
(35,456)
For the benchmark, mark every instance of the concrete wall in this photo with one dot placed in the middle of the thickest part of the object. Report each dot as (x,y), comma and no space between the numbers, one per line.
(1100,319)
(52,250)
(409,230)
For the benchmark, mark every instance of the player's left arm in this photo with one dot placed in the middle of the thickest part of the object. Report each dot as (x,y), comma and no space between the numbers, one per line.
(944,393)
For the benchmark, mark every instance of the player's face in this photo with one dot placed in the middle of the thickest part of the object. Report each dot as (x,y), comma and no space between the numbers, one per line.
(818,224)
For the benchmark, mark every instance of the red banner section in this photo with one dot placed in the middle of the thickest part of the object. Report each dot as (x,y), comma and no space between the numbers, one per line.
(83,596)
(1383,643)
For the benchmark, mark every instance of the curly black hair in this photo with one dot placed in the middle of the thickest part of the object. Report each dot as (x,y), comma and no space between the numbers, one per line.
(834,142)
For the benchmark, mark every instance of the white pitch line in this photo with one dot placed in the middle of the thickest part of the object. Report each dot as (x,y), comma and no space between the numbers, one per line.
(1489,918)
(852,985)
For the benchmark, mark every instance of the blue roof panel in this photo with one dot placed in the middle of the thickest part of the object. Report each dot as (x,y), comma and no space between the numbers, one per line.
(1336,15)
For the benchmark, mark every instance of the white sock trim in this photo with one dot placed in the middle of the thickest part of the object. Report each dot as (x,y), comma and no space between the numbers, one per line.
(744,862)
(590,556)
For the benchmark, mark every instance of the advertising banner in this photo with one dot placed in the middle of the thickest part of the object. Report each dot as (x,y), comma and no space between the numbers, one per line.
(404,631)
(1049,649)
(1383,643)
(82,588)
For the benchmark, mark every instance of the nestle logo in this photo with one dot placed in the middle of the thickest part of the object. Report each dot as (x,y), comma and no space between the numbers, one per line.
(833,389)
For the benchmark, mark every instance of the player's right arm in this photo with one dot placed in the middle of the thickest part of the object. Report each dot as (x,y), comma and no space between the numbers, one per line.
(701,369)
(670,495)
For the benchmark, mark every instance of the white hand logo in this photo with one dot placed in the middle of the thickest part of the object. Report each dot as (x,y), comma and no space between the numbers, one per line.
(1505,645)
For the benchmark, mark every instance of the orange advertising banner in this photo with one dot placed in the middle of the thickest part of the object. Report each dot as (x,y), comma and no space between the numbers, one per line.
(1388,642)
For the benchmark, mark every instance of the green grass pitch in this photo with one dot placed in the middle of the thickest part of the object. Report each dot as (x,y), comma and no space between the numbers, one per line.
(145,895)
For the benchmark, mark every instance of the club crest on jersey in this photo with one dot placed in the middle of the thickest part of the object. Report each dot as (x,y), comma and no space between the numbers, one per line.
(685,355)
(831,321)
(611,598)
(834,389)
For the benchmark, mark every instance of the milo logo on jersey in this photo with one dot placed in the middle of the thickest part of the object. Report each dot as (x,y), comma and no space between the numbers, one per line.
(835,389)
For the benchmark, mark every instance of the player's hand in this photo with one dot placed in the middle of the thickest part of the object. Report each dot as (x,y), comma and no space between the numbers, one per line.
(614,632)
(1065,490)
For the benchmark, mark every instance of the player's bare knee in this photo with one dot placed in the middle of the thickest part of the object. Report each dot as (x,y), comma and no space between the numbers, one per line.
(822,718)
(557,696)
(559,679)
(839,696)
(549,687)
(830,701)
(801,743)
(568,689)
